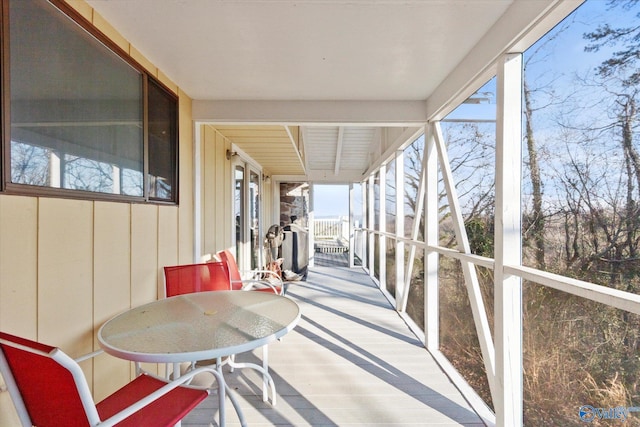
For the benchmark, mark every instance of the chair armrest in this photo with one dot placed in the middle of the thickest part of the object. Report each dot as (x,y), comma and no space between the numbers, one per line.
(250,284)
(269,273)
(180,382)
(88,356)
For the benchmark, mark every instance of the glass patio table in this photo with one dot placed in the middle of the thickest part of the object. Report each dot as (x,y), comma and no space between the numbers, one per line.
(198,326)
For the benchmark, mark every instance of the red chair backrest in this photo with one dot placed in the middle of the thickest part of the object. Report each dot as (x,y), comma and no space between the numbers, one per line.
(47,388)
(234,272)
(190,278)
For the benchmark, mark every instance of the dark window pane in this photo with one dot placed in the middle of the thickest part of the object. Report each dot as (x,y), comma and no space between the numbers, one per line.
(162,143)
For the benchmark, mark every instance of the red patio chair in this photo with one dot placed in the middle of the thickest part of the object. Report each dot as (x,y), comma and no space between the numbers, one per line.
(270,283)
(188,278)
(49,389)
(211,276)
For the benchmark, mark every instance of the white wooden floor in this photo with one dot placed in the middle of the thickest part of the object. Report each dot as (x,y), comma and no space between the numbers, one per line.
(351,361)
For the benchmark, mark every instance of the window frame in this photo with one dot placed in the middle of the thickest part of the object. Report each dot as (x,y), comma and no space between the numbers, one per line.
(8,187)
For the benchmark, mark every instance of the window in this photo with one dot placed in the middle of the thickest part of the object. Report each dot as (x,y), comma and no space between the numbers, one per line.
(85,120)
(162,148)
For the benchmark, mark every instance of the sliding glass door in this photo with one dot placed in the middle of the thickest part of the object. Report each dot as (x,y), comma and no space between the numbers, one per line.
(247,216)
(239,210)
(254,220)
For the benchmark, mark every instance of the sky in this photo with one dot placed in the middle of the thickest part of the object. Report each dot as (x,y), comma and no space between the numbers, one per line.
(564,57)
(330,200)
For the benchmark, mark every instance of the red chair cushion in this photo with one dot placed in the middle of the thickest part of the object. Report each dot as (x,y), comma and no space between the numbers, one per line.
(166,411)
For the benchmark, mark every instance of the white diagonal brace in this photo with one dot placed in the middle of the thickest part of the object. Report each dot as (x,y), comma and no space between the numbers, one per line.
(416,225)
(468,269)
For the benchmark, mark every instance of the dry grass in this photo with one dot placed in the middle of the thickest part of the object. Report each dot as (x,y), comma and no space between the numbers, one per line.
(574,353)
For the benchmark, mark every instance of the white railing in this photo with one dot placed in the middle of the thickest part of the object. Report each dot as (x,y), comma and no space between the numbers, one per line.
(331,228)
(597,293)
(331,235)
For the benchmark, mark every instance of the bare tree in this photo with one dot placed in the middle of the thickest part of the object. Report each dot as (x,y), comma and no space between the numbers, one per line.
(537,218)
(29,164)
(539,97)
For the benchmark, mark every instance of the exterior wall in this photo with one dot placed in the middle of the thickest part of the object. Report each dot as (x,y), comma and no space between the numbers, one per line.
(66,266)
(268,216)
(216,186)
(294,201)
(217,175)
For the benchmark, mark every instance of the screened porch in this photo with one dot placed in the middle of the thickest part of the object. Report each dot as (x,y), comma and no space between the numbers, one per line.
(352,360)
(489,261)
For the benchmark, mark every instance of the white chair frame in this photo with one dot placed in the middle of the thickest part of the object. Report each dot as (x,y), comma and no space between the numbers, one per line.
(86,398)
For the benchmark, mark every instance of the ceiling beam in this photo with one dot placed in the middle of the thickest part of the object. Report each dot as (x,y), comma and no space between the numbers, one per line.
(379,113)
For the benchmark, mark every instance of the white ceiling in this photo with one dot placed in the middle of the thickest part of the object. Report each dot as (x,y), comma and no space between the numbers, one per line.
(320,50)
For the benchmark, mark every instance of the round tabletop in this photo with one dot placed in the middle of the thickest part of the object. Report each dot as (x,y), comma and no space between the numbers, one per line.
(198,326)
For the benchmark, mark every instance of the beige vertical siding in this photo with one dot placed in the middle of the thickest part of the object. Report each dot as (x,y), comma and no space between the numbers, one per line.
(66,266)
(167,242)
(112,286)
(65,274)
(18,265)
(267,204)
(144,254)
(217,192)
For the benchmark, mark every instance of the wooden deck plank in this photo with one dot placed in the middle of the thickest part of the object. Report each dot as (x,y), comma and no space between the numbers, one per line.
(351,361)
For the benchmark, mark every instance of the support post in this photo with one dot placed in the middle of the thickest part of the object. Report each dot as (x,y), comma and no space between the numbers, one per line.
(352,240)
(431,280)
(364,243)
(508,243)
(402,281)
(371,225)
(311,227)
(382,227)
